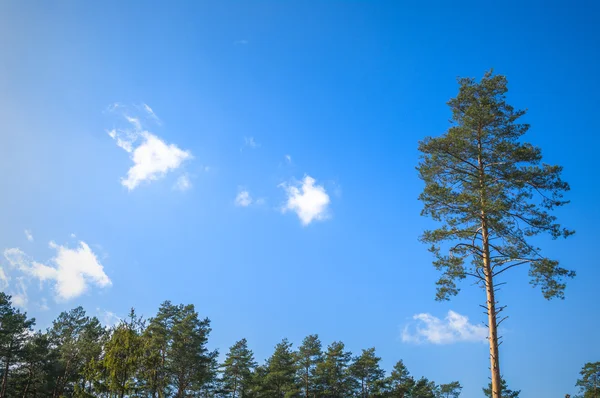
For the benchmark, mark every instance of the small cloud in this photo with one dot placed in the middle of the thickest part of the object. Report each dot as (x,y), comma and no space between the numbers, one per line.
(135,122)
(250,142)
(19,297)
(309,201)
(151,113)
(29,235)
(260,201)
(183,183)
(243,199)
(452,329)
(43,305)
(3,279)
(72,270)
(108,318)
(73,236)
(241,42)
(152,160)
(152,156)
(288,159)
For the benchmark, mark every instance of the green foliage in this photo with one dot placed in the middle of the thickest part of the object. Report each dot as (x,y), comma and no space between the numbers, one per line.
(589,382)
(490,191)
(280,376)
(506,392)
(309,356)
(334,377)
(14,331)
(423,388)
(400,382)
(367,373)
(168,357)
(450,390)
(237,369)
(123,356)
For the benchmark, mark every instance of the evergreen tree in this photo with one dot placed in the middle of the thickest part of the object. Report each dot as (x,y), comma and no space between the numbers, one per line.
(67,336)
(333,373)
(450,390)
(308,357)
(367,372)
(156,340)
(237,369)
(491,192)
(400,382)
(189,358)
(35,368)
(280,378)
(14,331)
(123,356)
(589,383)
(423,388)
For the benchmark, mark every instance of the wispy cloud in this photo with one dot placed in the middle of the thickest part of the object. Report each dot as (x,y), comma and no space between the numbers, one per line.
(151,113)
(288,159)
(241,42)
(19,296)
(108,318)
(243,199)
(310,202)
(43,305)
(29,235)
(152,157)
(250,142)
(72,271)
(454,328)
(3,279)
(183,183)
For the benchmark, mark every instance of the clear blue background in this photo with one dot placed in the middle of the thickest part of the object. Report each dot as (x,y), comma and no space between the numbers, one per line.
(347,89)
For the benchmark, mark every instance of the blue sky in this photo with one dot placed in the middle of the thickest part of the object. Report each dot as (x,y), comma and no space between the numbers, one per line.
(274,181)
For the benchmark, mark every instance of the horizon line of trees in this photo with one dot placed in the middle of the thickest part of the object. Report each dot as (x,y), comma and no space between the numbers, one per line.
(167,356)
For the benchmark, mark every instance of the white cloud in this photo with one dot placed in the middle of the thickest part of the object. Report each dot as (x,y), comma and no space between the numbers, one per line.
(309,201)
(250,142)
(152,156)
(19,298)
(151,113)
(72,270)
(453,328)
(288,159)
(135,122)
(152,159)
(243,199)
(108,318)
(183,183)
(3,279)
(43,305)
(124,138)
(29,235)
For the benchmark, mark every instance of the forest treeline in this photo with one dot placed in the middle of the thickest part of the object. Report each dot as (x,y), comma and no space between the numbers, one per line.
(167,356)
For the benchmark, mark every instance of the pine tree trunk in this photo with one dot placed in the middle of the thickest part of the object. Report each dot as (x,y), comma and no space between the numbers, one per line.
(307,370)
(29,377)
(492,321)
(5,376)
(489,281)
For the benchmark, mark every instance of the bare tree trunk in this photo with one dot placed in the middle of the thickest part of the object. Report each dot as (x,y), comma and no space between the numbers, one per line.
(492,320)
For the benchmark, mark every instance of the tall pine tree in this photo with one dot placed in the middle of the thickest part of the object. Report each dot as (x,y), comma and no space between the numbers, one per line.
(492,193)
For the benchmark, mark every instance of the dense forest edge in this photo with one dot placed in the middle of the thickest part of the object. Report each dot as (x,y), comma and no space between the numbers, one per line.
(167,356)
